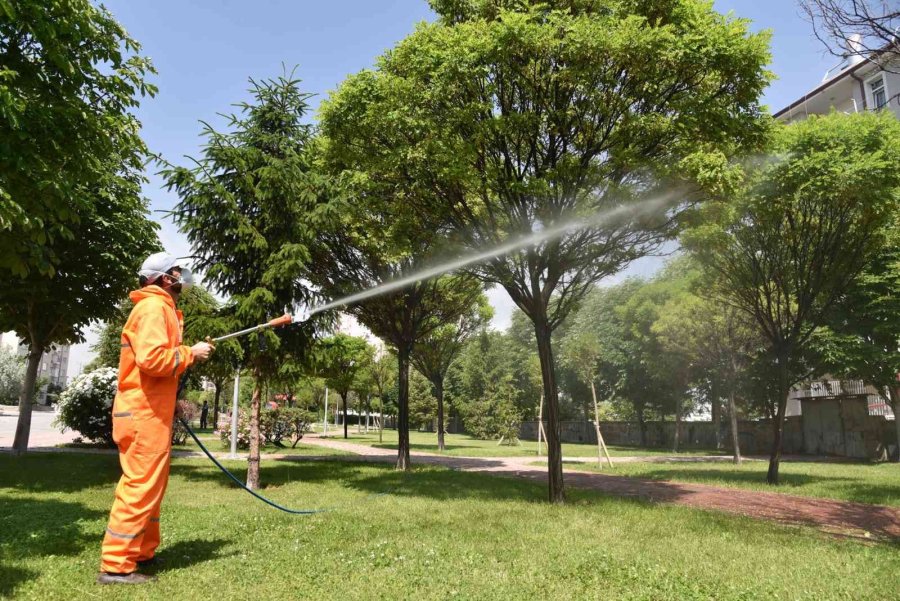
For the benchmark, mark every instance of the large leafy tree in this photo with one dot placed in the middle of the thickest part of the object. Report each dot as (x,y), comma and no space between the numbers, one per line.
(251,206)
(801,230)
(622,364)
(434,353)
(383,374)
(862,335)
(90,279)
(342,359)
(72,220)
(717,343)
(515,117)
(69,78)
(380,240)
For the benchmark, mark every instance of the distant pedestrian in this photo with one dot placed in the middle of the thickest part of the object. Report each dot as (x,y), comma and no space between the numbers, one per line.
(204,413)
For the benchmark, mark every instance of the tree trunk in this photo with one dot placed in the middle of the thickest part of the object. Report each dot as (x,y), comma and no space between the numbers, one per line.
(344,411)
(676,438)
(778,422)
(642,426)
(439,395)
(735,438)
(895,405)
(218,385)
(403,407)
(23,426)
(381,420)
(556,493)
(253,458)
(716,411)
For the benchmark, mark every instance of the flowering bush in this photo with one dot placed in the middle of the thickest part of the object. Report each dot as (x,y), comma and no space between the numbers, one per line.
(275,425)
(85,406)
(243,431)
(189,413)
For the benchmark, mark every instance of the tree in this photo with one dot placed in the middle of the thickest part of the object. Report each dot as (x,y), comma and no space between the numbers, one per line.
(434,353)
(860,28)
(668,374)
(46,311)
(70,172)
(381,241)
(622,377)
(862,335)
(383,371)
(522,116)
(718,343)
(423,406)
(801,230)
(341,359)
(70,77)
(250,208)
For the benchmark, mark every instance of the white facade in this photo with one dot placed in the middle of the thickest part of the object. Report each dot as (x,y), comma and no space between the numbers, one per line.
(52,369)
(853,85)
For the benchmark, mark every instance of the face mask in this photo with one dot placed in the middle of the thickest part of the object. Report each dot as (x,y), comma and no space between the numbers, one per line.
(183,283)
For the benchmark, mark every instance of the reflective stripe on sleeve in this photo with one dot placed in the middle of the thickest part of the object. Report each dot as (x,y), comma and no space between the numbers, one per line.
(177,361)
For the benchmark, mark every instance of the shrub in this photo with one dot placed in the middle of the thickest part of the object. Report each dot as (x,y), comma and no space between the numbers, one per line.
(297,422)
(274,426)
(243,431)
(189,412)
(85,406)
(495,415)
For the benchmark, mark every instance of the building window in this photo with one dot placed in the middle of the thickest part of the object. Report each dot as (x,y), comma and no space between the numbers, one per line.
(878,92)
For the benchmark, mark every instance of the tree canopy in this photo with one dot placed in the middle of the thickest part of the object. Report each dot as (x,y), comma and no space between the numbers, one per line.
(251,207)
(801,229)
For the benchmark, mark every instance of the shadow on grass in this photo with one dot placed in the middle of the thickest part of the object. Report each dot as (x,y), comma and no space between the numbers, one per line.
(12,578)
(59,472)
(377,478)
(187,553)
(33,527)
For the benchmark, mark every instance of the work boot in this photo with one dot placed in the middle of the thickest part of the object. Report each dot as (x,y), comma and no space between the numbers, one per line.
(132,578)
(153,562)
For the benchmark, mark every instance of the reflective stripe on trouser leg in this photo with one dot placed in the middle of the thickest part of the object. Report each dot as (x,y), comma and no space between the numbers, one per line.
(151,538)
(144,457)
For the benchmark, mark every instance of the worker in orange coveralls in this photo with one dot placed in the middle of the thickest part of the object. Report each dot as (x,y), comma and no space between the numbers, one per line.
(150,364)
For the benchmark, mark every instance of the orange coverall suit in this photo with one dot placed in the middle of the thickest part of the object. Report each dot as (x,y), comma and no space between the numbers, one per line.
(150,364)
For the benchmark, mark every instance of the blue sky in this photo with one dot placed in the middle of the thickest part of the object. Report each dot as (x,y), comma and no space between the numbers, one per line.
(205,51)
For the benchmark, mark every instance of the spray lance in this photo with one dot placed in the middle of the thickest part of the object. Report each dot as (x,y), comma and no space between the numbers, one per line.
(623,212)
(277,322)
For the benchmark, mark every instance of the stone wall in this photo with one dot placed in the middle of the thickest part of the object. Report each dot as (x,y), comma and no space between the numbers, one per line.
(838,428)
(755,437)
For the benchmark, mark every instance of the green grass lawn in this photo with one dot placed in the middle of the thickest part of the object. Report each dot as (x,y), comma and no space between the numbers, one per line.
(438,534)
(862,482)
(464,445)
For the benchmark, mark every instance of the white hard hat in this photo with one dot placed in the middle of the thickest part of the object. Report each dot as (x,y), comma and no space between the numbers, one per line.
(158,264)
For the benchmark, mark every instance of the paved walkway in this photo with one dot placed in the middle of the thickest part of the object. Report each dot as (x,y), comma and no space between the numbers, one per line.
(837,517)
